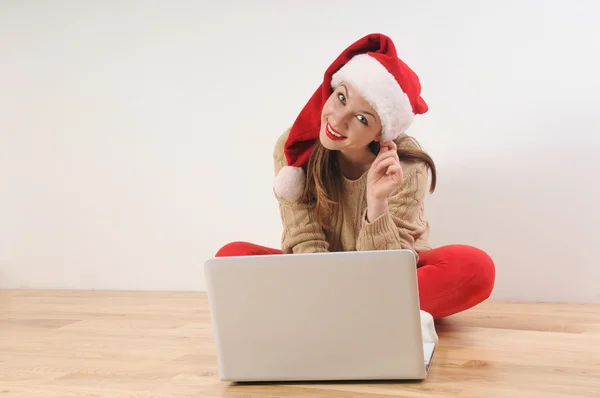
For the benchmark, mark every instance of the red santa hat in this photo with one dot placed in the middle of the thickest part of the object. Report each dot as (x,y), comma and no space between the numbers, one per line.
(371,65)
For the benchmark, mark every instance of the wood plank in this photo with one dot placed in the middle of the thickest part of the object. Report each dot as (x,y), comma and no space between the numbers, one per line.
(160,344)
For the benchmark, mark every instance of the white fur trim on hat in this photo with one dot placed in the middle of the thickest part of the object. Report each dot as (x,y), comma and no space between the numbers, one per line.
(379,87)
(289,182)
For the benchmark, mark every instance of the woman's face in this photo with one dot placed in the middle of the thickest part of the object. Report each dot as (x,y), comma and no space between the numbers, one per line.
(348,122)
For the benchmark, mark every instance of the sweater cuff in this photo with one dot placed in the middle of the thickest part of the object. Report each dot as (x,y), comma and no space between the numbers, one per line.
(380,234)
(382,225)
(315,246)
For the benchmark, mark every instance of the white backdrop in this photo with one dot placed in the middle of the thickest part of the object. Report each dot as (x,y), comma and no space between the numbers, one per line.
(134,136)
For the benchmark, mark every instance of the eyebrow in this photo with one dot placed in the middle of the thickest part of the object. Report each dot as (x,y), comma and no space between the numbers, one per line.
(363,111)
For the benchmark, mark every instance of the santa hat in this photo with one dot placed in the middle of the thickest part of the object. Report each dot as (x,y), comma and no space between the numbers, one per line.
(371,65)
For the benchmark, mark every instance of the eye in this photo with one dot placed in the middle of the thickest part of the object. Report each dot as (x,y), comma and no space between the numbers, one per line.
(342,98)
(362,119)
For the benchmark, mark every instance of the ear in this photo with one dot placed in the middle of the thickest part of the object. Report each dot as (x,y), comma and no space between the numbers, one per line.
(378,137)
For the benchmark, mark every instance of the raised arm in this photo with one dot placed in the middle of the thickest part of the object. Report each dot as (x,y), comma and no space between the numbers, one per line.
(399,226)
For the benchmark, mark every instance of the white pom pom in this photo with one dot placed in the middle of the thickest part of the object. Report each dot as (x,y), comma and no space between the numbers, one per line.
(289,183)
(428,328)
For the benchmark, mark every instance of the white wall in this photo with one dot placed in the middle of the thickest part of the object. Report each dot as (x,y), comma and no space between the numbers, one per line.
(134,134)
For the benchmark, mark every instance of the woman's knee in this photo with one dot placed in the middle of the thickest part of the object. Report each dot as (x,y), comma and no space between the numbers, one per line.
(482,270)
(233,249)
(245,249)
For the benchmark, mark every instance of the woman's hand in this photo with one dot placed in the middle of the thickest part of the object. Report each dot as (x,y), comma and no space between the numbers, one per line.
(384,176)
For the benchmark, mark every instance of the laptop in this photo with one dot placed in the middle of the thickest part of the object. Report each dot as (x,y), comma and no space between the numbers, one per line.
(318,317)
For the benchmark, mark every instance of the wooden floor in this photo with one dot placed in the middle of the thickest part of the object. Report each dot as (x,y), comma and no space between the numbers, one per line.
(123,344)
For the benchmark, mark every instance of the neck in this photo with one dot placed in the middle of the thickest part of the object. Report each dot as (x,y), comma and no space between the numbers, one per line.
(354,163)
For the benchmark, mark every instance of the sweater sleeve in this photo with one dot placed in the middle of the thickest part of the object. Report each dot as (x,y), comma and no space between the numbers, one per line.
(397,228)
(302,233)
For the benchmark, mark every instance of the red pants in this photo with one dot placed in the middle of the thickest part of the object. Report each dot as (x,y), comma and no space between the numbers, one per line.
(451,278)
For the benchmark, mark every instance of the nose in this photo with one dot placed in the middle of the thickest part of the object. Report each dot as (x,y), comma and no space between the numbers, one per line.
(341,119)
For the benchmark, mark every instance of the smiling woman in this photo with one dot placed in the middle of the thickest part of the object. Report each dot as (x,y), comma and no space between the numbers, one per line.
(349,119)
(348,177)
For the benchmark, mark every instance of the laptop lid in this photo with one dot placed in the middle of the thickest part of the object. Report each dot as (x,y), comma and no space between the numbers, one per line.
(322,316)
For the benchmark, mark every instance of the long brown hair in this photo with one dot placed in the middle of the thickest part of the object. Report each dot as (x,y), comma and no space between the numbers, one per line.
(324,180)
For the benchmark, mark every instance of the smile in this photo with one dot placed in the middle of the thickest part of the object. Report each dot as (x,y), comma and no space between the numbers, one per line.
(332,134)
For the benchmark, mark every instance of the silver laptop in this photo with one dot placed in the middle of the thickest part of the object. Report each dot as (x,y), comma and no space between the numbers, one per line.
(317,317)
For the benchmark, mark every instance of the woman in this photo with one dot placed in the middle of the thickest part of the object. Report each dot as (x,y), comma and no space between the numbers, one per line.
(349,178)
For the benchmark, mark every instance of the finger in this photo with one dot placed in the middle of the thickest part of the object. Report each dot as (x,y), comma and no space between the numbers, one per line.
(395,172)
(389,147)
(384,155)
(394,149)
(384,164)
(394,168)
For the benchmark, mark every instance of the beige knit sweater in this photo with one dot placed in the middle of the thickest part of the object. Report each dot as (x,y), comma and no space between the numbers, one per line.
(402,227)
